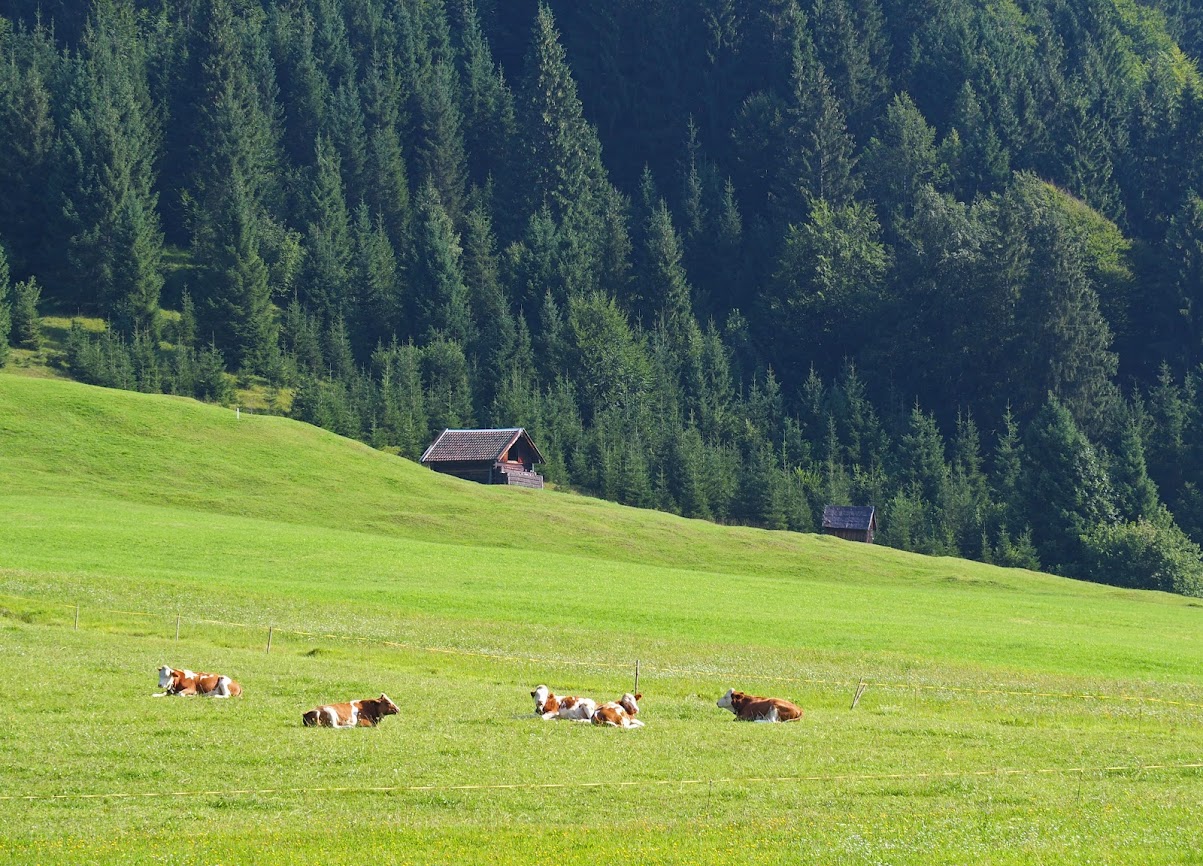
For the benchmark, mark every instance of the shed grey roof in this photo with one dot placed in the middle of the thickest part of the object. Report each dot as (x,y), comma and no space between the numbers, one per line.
(485,445)
(848,517)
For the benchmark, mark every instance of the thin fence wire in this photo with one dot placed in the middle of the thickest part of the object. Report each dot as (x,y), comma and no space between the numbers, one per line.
(999,772)
(664,670)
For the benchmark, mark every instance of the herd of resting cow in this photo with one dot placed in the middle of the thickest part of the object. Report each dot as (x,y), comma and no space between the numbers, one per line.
(368,712)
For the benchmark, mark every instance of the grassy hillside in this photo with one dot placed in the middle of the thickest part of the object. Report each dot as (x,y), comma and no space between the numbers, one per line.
(971,743)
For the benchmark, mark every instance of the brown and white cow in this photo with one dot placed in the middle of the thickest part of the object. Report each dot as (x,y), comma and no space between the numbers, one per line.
(620,713)
(364,714)
(186,683)
(750,708)
(572,708)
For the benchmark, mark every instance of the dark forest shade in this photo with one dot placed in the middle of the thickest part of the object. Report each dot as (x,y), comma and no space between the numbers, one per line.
(504,456)
(851,522)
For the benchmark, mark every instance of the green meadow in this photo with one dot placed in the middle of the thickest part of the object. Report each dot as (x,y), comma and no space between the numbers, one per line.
(1008,716)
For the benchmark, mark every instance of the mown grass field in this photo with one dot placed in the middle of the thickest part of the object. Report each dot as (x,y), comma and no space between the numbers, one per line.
(972,742)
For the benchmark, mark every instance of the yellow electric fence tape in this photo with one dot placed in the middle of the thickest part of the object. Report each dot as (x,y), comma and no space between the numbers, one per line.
(615,783)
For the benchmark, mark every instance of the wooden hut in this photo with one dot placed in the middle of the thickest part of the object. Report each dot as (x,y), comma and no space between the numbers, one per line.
(505,456)
(853,522)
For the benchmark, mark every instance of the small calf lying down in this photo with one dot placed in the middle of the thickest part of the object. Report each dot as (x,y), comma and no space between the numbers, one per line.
(620,713)
(750,708)
(551,706)
(364,714)
(186,683)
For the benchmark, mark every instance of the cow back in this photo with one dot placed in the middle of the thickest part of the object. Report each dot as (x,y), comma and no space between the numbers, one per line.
(751,708)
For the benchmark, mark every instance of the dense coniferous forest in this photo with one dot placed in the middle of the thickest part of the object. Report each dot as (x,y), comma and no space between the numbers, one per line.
(735,259)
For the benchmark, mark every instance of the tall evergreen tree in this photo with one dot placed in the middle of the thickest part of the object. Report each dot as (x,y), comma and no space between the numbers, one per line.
(230,122)
(1182,257)
(983,163)
(559,149)
(1065,488)
(490,121)
(435,271)
(6,318)
(236,311)
(387,175)
(495,329)
(325,280)
(826,168)
(377,298)
(28,126)
(440,149)
(108,148)
(852,49)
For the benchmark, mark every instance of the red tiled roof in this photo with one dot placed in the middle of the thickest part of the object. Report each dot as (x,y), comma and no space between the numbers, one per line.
(485,445)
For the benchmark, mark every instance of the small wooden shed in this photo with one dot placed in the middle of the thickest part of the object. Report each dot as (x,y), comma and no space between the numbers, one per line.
(490,456)
(853,522)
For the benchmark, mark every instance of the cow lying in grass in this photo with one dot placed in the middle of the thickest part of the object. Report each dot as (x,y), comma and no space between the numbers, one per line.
(550,706)
(186,683)
(365,714)
(750,708)
(620,713)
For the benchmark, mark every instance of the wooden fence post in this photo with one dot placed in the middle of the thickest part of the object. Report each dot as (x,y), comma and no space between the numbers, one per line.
(77,616)
(177,628)
(860,690)
(636,676)
(269,637)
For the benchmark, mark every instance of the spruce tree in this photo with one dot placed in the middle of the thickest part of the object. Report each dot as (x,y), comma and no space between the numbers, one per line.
(1135,493)
(851,47)
(1182,257)
(494,327)
(28,126)
(668,298)
(387,176)
(440,150)
(923,470)
(441,297)
(377,299)
(984,162)
(1069,341)
(448,392)
(236,312)
(347,131)
(230,123)
(399,368)
(1065,489)
(107,150)
(325,280)
(558,147)
(490,121)
(6,319)
(26,320)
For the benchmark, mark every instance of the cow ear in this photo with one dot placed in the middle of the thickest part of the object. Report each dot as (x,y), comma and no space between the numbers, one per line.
(639,696)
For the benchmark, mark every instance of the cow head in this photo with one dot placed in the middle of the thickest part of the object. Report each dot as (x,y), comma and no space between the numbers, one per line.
(387,707)
(166,676)
(540,694)
(628,703)
(727,701)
